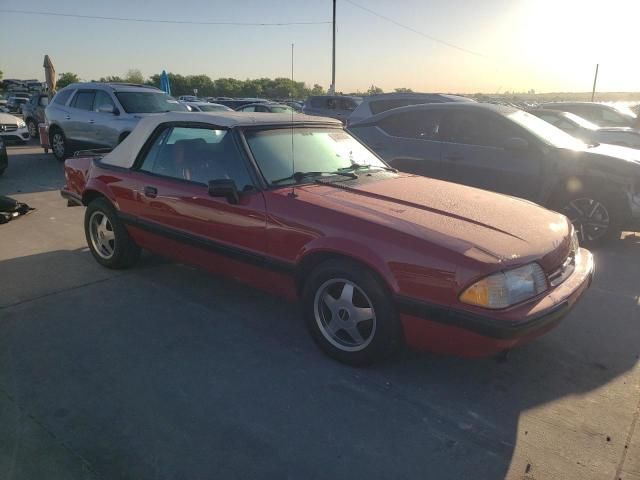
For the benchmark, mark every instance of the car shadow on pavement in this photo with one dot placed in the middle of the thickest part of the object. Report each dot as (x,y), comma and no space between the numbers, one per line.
(164,371)
(30,170)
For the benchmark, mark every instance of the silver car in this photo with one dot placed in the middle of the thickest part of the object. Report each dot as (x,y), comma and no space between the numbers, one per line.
(101,115)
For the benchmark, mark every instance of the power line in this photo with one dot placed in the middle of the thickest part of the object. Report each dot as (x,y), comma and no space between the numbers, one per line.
(149,20)
(406,27)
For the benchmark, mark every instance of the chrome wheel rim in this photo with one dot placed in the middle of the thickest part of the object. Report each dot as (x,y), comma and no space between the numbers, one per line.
(58,145)
(33,131)
(589,217)
(102,236)
(345,315)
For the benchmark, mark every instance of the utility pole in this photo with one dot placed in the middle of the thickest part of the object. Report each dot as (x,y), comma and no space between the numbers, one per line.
(595,79)
(332,89)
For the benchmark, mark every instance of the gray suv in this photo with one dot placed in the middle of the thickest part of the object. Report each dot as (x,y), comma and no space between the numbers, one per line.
(101,115)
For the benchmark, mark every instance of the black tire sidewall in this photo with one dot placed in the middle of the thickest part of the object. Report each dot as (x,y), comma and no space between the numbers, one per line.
(387,337)
(613,206)
(126,251)
(35,127)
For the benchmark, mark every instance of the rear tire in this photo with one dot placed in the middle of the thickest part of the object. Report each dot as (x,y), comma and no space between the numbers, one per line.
(32,126)
(350,314)
(107,237)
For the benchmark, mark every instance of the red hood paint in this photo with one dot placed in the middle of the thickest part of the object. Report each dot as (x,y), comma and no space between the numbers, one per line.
(468,220)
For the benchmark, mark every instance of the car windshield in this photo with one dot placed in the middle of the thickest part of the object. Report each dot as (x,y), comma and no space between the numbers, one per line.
(310,149)
(544,131)
(582,122)
(149,102)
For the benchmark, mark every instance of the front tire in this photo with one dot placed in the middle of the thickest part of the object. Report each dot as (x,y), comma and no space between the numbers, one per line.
(596,217)
(349,313)
(107,237)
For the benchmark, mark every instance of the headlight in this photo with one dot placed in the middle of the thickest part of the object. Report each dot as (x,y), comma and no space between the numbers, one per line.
(504,289)
(21,124)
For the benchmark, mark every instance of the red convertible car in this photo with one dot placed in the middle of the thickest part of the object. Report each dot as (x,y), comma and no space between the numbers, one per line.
(298,207)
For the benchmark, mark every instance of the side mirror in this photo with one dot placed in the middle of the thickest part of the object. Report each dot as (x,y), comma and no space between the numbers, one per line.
(224,188)
(515,143)
(107,108)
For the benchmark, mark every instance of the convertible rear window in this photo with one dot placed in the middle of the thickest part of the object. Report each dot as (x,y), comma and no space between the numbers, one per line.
(149,102)
(310,149)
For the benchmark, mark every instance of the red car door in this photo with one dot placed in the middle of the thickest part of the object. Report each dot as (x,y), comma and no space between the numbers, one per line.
(180,219)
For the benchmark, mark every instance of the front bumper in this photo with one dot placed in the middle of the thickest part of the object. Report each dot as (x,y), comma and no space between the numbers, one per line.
(477,333)
(21,135)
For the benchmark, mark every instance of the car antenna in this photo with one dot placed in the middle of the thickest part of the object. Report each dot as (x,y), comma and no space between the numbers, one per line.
(293,158)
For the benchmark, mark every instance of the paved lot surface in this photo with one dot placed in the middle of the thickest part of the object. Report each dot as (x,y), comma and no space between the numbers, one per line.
(164,372)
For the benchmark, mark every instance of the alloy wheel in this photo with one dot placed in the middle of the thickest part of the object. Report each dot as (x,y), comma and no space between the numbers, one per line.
(345,315)
(33,129)
(58,145)
(589,217)
(102,235)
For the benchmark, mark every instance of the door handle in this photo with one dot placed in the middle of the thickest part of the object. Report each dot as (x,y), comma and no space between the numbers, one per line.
(67,117)
(454,157)
(92,121)
(151,192)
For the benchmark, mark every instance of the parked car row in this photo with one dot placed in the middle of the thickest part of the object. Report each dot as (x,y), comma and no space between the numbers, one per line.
(297,206)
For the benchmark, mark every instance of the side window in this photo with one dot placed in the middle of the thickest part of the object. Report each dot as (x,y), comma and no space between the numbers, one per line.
(102,98)
(613,118)
(260,108)
(83,100)
(43,101)
(347,104)
(422,125)
(62,97)
(249,109)
(473,129)
(197,155)
(331,104)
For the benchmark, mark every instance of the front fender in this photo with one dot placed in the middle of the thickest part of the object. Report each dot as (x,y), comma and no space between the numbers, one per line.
(343,247)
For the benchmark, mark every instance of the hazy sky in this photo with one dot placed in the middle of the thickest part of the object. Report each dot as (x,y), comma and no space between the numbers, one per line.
(547,45)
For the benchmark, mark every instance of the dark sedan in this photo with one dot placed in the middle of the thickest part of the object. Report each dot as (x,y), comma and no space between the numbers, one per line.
(510,151)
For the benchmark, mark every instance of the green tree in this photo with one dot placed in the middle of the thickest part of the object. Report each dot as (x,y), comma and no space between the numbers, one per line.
(66,78)
(403,90)
(317,90)
(373,90)
(0,74)
(134,75)
(111,79)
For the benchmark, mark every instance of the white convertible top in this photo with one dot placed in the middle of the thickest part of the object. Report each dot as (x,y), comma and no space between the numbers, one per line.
(125,154)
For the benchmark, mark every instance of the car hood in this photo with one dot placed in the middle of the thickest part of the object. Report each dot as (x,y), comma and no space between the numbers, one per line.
(7,119)
(486,226)
(612,158)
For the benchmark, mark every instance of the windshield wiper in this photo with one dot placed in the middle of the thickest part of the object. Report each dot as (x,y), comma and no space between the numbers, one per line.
(299,176)
(357,166)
